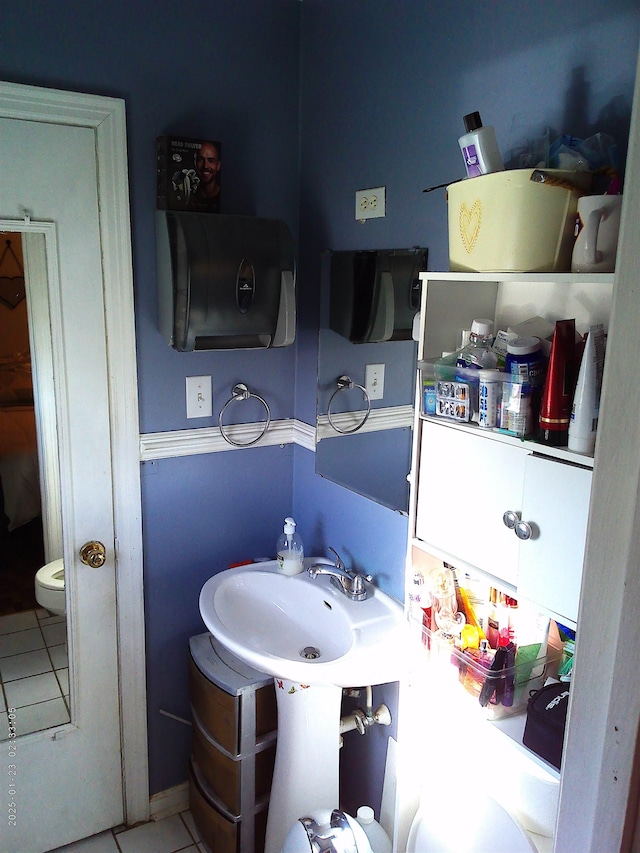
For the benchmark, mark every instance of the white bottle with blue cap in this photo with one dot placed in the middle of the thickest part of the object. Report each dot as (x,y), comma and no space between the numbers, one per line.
(290,550)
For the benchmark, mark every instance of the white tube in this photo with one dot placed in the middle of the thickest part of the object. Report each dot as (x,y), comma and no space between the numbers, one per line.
(586,401)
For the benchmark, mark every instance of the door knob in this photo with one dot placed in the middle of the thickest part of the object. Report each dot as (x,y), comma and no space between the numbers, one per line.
(510,519)
(93,554)
(523,530)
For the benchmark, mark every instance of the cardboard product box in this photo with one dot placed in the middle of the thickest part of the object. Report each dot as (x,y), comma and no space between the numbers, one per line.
(509,222)
(189,173)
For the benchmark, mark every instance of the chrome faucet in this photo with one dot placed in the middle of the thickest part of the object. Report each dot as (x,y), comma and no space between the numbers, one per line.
(348,581)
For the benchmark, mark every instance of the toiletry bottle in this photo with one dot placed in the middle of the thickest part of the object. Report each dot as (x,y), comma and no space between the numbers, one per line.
(474,357)
(557,396)
(527,366)
(290,550)
(378,838)
(488,393)
(416,595)
(473,673)
(477,354)
(586,402)
(479,148)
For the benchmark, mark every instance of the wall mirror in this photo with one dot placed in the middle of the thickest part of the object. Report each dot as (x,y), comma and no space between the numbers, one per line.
(368,304)
(30,514)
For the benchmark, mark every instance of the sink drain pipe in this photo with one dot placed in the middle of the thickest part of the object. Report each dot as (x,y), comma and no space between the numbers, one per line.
(362,720)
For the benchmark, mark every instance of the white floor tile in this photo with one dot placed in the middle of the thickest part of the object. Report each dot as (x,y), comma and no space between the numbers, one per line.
(103,843)
(18,622)
(55,634)
(24,665)
(63,680)
(29,691)
(59,656)
(163,836)
(187,817)
(46,618)
(3,707)
(21,641)
(36,718)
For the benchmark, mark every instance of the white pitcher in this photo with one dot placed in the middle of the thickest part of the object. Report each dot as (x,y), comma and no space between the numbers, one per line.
(597,227)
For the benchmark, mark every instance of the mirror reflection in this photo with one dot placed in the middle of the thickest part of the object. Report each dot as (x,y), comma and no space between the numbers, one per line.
(369,302)
(33,629)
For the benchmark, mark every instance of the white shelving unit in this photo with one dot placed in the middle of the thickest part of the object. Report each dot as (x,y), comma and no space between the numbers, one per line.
(464,478)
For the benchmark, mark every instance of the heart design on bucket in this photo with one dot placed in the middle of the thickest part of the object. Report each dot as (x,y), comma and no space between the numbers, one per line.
(470,221)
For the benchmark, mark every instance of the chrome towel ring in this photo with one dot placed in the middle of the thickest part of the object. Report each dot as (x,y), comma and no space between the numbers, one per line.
(345,383)
(241,392)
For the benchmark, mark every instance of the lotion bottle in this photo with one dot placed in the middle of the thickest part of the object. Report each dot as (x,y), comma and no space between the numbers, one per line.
(479,148)
(586,402)
(557,395)
(290,551)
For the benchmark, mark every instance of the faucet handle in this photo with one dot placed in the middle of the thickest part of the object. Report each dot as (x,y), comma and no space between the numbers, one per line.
(339,562)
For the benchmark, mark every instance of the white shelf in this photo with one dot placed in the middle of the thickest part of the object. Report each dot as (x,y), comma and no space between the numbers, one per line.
(526,277)
(513,728)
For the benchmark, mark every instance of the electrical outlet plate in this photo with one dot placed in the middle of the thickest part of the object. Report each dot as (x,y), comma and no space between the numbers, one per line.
(371,204)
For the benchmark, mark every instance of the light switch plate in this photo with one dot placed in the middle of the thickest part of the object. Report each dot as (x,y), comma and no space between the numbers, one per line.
(199,396)
(374,380)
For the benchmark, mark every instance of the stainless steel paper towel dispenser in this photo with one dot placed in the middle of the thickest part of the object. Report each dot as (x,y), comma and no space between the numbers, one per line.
(225,282)
(375,294)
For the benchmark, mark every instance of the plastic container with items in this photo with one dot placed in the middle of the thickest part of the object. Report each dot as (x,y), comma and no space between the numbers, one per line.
(520,220)
(493,652)
(487,398)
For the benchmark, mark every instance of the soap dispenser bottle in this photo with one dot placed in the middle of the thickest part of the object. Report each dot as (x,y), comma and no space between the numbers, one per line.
(290,550)
(479,147)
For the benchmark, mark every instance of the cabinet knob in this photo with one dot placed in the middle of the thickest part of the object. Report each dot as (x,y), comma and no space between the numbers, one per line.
(510,519)
(523,530)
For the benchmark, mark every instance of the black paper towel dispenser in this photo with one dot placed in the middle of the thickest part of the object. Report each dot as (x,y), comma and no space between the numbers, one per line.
(225,282)
(375,294)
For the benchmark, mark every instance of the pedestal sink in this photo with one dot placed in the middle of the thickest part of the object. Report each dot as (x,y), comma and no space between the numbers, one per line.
(314,640)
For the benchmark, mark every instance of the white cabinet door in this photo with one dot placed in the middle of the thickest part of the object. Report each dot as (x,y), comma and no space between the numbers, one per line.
(466,483)
(556,505)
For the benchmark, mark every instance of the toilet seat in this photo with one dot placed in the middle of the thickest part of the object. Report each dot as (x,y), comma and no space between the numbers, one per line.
(442,819)
(51,575)
(49,587)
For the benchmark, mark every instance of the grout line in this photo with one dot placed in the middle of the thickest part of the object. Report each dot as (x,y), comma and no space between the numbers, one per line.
(195,840)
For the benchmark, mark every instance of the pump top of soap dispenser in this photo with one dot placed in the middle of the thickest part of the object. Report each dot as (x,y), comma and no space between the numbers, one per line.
(472,121)
(289,526)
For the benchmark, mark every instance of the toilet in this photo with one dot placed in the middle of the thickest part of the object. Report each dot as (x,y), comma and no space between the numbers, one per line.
(49,585)
(328,830)
(447,823)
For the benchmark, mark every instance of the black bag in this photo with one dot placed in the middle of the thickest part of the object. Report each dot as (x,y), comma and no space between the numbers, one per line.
(546,719)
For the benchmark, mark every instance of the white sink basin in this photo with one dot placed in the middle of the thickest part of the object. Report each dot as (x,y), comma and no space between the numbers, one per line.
(278,624)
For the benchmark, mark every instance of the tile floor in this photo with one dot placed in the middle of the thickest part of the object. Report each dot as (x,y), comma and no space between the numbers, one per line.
(34,671)
(172,834)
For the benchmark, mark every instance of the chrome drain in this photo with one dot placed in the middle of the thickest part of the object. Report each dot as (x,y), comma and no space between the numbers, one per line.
(310,653)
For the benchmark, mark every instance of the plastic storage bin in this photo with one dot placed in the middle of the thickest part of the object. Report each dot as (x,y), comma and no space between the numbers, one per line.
(453,393)
(506,222)
(493,693)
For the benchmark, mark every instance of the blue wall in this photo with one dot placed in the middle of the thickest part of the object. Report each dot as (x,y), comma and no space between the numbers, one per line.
(312,101)
(384,87)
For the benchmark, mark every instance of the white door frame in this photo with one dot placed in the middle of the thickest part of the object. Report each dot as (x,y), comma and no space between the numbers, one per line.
(106,117)
(599,789)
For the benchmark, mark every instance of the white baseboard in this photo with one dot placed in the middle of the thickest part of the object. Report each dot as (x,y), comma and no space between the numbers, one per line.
(168,802)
